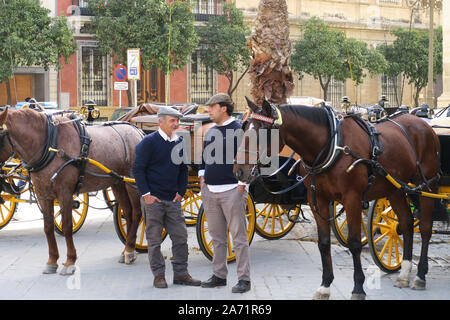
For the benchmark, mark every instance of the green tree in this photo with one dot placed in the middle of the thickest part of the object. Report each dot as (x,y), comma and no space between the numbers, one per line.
(163,31)
(325,53)
(408,54)
(224,47)
(30,37)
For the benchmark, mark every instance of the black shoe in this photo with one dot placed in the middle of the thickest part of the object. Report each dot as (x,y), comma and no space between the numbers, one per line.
(214,282)
(241,287)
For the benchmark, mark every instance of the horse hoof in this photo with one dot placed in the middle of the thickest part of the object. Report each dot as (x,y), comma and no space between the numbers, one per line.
(122,258)
(322,293)
(418,284)
(50,269)
(401,283)
(129,257)
(358,296)
(68,270)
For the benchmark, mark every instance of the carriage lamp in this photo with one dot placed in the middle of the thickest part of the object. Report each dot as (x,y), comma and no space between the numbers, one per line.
(89,111)
(345,103)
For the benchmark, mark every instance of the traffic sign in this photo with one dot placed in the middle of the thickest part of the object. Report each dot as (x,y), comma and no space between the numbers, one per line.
(120,73)
(134,64)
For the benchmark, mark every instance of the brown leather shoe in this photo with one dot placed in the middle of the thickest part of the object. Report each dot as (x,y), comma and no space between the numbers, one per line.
(187,280)
(160,282)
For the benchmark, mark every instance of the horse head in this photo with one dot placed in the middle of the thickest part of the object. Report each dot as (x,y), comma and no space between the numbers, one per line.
(261,140)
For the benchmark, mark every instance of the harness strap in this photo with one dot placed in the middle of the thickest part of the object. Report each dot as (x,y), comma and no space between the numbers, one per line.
(50,142)
(85,142)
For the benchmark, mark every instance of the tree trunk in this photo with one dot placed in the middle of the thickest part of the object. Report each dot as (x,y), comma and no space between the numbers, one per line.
(8,92)
(270,74)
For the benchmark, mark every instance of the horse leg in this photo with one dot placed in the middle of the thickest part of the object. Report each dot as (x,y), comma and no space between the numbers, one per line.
(128,255)
(353,208)
(136,215)
(66,204)
(401,208)
(324,244)
(49,229)
(426,226)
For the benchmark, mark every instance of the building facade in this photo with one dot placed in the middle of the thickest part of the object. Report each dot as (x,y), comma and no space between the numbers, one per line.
(88,76)
(370,21)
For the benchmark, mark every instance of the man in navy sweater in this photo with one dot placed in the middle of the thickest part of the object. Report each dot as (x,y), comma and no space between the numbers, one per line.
(224,198)
(162,184)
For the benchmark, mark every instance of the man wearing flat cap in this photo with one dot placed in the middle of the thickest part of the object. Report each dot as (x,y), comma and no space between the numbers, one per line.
(224,198)
(162,184)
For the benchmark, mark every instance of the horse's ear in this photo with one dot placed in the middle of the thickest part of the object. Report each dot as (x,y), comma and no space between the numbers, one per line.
(253,107)
(266,108)
(3,115)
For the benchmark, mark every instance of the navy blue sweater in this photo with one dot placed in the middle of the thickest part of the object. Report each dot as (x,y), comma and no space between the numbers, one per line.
(154,170)
(221,171)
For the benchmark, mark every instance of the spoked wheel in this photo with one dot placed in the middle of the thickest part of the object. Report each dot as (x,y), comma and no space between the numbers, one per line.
(205,241)
(340,227)
(79,212)
(385,243)
(120,224)
(272,220)
(191,204)
(8,206)
(109,198)
(9,201)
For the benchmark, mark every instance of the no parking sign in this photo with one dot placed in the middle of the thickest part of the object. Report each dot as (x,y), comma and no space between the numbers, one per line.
(120,73)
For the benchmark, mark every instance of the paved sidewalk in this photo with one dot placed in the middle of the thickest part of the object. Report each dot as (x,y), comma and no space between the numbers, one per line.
(285,269)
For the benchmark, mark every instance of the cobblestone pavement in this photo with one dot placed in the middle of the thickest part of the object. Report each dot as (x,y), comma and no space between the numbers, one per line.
(284,269)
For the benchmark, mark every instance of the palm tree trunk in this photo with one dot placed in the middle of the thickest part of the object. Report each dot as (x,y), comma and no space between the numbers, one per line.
(270,74)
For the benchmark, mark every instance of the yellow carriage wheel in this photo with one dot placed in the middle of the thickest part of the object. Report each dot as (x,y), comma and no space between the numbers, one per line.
(205,241)
(385,244)
(191,204)
(109,198)
(7,208)
(272,220)
(340,227)
(120,224)
(9,202)
(79,212)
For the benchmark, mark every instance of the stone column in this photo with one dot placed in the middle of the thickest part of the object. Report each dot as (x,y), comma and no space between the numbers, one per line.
(444,99)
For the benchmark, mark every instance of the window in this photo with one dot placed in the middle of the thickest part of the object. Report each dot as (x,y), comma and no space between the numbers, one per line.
(207,6)
(93,76)
(335,92)
(389,88)
(202,80)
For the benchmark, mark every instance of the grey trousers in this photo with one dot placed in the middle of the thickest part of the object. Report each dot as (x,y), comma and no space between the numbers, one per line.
(168,215)
(224,209)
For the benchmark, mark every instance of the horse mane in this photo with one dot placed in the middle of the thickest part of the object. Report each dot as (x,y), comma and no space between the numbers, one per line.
(316,115)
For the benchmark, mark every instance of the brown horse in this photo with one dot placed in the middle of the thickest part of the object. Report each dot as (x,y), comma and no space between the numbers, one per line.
(406,142)
(25,132)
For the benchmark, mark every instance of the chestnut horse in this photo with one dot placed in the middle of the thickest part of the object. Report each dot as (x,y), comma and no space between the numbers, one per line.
(25,132)
(410,152)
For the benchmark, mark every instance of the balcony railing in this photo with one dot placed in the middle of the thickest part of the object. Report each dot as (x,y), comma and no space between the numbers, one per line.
(202,9)
(81,8)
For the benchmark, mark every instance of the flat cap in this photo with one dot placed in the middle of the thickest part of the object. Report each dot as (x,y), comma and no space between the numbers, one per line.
(219,98)
(168,111)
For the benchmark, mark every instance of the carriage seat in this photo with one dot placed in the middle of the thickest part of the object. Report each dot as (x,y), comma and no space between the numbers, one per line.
(190,118)
(259,189)
(444,139)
